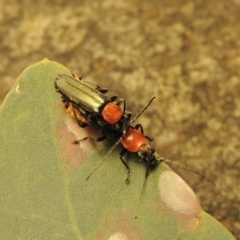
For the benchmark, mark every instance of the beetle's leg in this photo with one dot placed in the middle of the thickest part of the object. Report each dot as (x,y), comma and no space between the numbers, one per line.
(139,126)
(125,164)
(102,90)
(121,101)
(113,97)
(99,139)
(81,123)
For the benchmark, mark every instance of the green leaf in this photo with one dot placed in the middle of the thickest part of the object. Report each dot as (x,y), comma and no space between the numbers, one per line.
(44,192)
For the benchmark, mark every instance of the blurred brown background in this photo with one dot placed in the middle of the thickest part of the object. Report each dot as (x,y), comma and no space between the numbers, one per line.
(186,53)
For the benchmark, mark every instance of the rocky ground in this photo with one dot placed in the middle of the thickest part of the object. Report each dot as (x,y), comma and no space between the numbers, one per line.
(186,53)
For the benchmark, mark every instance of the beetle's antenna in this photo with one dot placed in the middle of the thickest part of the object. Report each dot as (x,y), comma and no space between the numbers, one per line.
(105,157)
(139,114)
(162,159)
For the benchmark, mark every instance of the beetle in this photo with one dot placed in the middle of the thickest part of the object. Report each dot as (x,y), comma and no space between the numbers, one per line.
(107,114)
(134,141)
